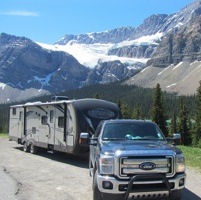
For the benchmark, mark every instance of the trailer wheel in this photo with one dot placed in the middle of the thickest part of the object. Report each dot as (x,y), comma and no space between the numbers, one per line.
(25,147)
(33,149)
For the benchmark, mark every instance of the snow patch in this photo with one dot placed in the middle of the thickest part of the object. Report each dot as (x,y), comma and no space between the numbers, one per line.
(196,61)
(164,70)
(171,85)
(2,86)
(90,54)
(143,70)
(179,25)
(43,81)
(144,40)
(178,65)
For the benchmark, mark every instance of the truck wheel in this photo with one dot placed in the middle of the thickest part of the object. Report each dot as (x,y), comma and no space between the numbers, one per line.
(97,195)
(113,196)
(33,149)
(176,195)
(25,147)
(90,168)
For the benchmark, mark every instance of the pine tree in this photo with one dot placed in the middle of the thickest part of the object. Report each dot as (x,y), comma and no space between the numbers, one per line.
(183,124)
(173,126)
(119,104)
(125,110)
(157,111)
(96,96)
(197,131)
(136,113)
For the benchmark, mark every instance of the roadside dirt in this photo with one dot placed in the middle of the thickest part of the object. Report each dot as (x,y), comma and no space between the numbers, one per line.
(46,176)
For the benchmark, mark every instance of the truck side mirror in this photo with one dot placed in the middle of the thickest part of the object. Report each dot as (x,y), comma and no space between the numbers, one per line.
(93,141)
(84,139)
(177,138)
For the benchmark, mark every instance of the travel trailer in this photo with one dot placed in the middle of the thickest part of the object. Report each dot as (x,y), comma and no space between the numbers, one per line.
(57,125)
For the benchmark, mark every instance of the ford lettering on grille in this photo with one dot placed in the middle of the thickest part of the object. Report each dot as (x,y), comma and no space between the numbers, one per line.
(147,166)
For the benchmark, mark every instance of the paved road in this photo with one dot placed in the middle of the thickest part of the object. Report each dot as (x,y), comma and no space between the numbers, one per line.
(24,176)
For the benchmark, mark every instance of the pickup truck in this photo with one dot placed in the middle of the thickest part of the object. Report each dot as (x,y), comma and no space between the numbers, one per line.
(131,159)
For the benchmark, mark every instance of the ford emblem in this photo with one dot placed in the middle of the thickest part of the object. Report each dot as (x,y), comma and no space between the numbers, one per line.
(147,166)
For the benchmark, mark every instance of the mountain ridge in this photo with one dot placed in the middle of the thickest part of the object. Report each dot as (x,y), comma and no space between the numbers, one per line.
(28,68)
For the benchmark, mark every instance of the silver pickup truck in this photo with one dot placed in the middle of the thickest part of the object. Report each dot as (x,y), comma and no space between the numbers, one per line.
(131,159)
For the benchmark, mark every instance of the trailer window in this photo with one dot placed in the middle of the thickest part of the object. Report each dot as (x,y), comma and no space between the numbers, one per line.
(60,122)
(14,111)
(20,117)
(44,120)
(101,113)
(51,116)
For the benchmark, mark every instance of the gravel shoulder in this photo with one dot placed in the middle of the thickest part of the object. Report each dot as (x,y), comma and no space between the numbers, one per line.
(46,176)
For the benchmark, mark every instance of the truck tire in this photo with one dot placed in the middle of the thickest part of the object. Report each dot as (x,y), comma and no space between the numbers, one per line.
(113,196)
(26,148)
(97,195)
(90,168)
(176,195)
(33,149)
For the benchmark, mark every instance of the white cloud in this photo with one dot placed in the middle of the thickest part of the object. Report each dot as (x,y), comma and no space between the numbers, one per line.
(22,13)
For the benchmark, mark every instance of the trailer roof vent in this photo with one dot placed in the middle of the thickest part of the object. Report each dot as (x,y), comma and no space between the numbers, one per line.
(59,98)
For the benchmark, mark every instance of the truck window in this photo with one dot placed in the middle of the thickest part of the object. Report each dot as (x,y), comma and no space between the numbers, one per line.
(98,129)
(44,120)
(60,122)
(132,131)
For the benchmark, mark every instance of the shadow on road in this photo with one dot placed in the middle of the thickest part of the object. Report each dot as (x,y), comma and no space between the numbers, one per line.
(75,160)
(82,161)
(188,195)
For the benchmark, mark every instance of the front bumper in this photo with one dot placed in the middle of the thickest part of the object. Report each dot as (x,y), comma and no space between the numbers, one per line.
(152,186)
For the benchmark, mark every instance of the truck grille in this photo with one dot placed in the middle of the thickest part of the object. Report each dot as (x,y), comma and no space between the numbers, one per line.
(130,166)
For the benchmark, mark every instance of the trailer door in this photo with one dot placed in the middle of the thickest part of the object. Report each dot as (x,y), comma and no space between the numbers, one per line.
(21,124)
(16,124)
(51,125)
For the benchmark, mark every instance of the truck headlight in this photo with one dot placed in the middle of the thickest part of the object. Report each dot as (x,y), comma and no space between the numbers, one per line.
(180,163)
(106,164)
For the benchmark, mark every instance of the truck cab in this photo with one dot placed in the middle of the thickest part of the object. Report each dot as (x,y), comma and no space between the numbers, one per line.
(132,159)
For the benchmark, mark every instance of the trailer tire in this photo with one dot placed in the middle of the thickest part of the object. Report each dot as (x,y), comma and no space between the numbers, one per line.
(26,148)
(33,149)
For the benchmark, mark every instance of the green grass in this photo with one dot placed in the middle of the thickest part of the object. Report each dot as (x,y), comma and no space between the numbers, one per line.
(3,135)
(192,156)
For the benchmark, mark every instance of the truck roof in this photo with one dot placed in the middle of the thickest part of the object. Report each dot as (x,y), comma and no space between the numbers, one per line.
(127,121)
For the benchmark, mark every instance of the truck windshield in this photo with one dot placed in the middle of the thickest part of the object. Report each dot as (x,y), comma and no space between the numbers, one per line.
(132,131)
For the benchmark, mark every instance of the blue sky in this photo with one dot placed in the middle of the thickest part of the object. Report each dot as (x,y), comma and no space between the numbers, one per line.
(48,20)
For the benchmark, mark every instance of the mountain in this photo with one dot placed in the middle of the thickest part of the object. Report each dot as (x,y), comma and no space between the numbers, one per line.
(176,62)
(26,69)
(165,49)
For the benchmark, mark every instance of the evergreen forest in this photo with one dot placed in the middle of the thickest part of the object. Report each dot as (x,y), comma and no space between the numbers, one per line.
(173,113)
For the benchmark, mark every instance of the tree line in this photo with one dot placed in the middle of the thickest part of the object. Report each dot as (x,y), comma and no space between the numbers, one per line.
(173,113)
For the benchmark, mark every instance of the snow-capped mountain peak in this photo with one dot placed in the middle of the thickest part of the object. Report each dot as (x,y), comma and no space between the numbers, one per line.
(103,57)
